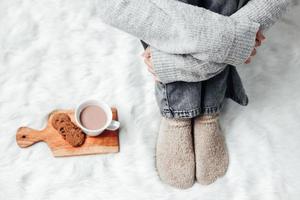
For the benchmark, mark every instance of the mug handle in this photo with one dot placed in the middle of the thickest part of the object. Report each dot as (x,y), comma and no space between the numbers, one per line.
(114,125)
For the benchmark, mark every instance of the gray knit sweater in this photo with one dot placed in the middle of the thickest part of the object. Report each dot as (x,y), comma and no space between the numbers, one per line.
(190,43)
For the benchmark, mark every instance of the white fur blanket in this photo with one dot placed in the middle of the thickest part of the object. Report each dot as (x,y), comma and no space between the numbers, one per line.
(55,53)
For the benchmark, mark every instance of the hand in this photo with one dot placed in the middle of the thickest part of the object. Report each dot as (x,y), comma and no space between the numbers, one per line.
(259,39)
(148,61)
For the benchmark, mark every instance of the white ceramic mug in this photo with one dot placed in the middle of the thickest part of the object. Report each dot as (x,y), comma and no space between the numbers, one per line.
(110,123)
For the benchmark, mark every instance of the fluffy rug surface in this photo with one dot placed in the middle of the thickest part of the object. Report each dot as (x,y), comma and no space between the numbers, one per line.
(53,54)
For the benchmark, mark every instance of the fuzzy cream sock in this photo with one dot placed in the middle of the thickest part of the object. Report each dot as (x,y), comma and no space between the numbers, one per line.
(211,153)
(175,160)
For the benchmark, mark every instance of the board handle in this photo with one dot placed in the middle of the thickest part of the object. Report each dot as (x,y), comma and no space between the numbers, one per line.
(26,136)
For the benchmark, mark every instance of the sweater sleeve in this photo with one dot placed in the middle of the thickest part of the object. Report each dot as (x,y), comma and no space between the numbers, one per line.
(179,28)
(182,67)
(170,68)
(264,12)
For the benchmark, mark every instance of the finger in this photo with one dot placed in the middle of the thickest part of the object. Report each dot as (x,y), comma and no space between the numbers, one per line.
(248,61)
(150,67)
(150,53)
(260,36)
(257,43)
(146,54)
(148,63)
(254,52)
(151,71)
(156,79)
(147,50)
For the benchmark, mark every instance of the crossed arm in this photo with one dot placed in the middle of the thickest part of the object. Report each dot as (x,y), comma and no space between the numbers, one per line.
(173,27)
(190,67)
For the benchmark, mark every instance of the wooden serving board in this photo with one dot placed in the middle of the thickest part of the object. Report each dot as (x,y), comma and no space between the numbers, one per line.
(106,142)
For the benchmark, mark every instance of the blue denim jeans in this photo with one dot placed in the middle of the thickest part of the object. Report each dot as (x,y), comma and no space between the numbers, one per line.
(188,100)
(191,99)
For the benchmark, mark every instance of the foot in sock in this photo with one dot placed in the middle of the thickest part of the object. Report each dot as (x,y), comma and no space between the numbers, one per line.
(211,153)
(175,159)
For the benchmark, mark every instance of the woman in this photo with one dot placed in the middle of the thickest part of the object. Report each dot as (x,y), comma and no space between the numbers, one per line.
(194,49)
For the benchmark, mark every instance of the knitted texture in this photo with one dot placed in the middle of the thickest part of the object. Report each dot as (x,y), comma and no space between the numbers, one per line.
(176,67)
(175,160)
(179,28)
(194,67)
(211,153)
(264,12)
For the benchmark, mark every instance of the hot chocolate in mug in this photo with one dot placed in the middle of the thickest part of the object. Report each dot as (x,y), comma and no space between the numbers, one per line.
(94,117)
